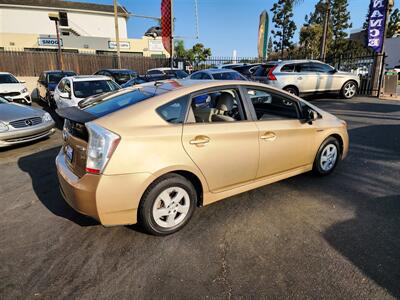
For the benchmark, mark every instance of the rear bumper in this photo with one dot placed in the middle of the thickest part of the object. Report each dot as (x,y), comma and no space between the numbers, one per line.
(110,199)
(26,135)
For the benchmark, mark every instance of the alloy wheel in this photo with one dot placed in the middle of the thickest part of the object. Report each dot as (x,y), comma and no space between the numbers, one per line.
(350,90)
(329,157)
(171,207)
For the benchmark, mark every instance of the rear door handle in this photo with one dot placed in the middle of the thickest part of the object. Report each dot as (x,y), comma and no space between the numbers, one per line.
(300,78)
(268,136)
(200,140)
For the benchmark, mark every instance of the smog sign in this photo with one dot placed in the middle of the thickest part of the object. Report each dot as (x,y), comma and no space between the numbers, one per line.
(376,26)
(48,42)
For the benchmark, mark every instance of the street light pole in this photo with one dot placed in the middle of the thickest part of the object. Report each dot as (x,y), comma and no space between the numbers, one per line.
(117,34)
(56,18)
(172,36)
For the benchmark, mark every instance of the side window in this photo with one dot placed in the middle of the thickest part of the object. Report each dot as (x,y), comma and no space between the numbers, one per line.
(175,111)
(155,72)
(322,68)
(271,106)
(222,105)
(307,67)
(67,86)
(290,68)
(61,86)
(41,78)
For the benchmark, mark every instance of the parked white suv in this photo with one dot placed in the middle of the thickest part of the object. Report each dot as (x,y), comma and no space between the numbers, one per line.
(13,90)
(303,77)
(71,90)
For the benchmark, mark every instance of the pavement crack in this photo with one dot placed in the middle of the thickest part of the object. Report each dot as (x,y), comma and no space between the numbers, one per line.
(225,270)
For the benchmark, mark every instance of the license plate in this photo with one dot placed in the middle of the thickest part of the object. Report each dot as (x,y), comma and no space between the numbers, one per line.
(69,152)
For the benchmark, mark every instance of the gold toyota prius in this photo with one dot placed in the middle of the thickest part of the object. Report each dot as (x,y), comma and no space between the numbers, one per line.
(154,152)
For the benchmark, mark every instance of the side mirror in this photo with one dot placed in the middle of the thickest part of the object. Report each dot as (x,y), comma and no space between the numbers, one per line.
(334,71)
(311,115)
(65,95)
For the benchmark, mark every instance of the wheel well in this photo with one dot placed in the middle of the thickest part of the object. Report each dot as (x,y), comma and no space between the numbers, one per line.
(195,181)
(340,140)
(292,86)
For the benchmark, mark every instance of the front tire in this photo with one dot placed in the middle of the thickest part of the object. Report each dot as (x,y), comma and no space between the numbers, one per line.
(327,157)
(349,90)
(291,90)
(167,205)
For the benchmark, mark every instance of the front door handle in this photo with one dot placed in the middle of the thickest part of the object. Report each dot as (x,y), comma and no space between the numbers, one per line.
(200,140)
(300,78)
(268,136)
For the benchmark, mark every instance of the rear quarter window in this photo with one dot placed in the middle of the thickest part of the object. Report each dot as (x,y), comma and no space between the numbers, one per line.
(175,111)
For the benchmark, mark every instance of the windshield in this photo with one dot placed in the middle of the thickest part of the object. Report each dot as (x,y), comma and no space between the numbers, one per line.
(178,73)
(84,89)
(228,76)
(56,77)
(124,75)
(113,104)
(8,78)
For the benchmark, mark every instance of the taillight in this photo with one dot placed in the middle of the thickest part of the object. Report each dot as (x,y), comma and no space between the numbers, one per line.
(271,75)
(101,146)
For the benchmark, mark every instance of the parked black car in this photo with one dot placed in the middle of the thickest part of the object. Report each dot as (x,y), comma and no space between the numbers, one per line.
(48,81)
(120,76)
(135,81)
(247,69)
(165,73)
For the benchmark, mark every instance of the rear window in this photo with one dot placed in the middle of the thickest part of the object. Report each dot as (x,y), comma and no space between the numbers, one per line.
(263,70)
(113,104)
(56,77)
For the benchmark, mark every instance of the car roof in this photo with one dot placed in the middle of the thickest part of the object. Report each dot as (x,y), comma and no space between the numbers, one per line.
(294,61)
(88,77)
(164,69)
(59,71)
(117,70)
(218,71)
(5,73)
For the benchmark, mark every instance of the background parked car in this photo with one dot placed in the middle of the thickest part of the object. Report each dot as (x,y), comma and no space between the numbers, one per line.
(19,124)
(13,90)
(302,77)
(71,90)
(120,76)
(135,81)
(165,73)
(47,82)
(217,74)
(246,70)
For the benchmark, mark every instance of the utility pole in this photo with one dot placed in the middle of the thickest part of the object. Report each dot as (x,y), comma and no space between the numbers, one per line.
(322,54)
(56,18)
(117,34)
(172,36)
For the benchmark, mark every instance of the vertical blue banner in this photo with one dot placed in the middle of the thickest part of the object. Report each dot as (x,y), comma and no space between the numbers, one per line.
(376,25)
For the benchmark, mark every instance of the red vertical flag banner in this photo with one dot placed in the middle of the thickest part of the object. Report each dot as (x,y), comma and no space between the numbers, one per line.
(166,29)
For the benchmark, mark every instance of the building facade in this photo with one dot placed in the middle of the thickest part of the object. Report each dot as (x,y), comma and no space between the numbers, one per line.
(86,28)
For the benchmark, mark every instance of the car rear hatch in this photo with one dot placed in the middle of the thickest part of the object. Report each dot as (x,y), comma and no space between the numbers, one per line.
(76,137)
(264,73)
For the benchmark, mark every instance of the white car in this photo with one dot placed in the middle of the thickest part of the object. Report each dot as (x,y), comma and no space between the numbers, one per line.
(71,90)
(13,90)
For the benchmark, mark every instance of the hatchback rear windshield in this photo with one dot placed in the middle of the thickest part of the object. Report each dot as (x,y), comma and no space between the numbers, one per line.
(114,103)
(263,70)
(84,89)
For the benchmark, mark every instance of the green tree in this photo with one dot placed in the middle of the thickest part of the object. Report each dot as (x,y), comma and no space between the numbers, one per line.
(394,23)
(270,46)
(284,26)
(366,22)
(340,19)
(180,50)
(198,53)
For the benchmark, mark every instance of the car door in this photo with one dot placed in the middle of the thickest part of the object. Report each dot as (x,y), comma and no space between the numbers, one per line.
(226,152)
(63,87)
(326,77)
(41,86)
(307,78)
(285,140)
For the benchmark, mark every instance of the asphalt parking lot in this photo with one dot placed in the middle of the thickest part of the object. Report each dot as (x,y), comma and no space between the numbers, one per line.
(306,237)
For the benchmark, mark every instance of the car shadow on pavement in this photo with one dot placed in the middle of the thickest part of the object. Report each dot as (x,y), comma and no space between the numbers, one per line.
(369,185)
(42,170)
(52,111)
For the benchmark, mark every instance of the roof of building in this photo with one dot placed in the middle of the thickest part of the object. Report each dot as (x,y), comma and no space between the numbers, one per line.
(61,4)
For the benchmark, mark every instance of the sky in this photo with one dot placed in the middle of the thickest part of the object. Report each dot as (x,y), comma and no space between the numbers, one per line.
(224,25)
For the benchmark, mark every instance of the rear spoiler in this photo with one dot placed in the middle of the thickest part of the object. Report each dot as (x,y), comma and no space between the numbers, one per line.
(75,114)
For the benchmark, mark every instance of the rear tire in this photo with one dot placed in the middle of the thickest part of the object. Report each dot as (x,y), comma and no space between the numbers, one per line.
(291,90)
(327,157)
(167,205)
(349,90)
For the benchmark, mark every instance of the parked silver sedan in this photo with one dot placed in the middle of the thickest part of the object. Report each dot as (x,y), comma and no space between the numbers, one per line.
(20,124)
(304,77)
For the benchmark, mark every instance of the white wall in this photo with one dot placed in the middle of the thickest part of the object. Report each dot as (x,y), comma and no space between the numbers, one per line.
(36,21)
